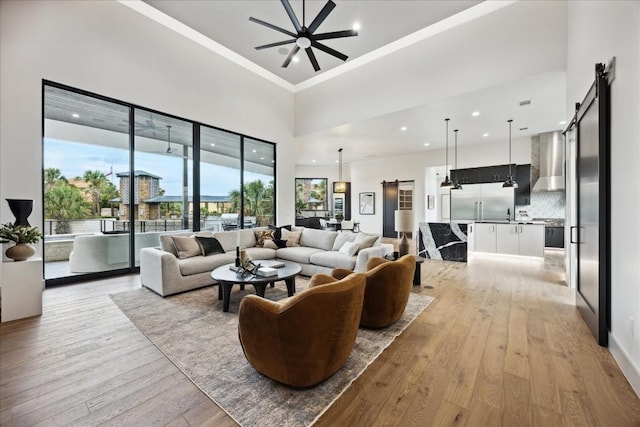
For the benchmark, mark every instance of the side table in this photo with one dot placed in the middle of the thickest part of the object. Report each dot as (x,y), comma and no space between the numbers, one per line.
(416,275)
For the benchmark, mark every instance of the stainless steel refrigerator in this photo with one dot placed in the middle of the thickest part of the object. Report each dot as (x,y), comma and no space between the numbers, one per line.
(482,202)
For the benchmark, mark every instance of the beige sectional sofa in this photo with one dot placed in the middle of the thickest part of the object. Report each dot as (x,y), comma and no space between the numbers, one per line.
(162,271)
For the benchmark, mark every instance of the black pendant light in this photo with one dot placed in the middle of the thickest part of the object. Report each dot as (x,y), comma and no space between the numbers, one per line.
(456,184)
(510,183)
(340,186)
(447,182)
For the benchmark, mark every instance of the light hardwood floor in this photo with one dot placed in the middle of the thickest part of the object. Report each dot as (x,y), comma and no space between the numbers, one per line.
(502,344)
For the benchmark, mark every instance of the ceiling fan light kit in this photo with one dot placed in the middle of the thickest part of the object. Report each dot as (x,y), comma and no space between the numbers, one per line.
(306,37)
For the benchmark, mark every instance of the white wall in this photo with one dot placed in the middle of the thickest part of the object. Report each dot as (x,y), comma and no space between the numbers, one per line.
(107,48)
(599,30)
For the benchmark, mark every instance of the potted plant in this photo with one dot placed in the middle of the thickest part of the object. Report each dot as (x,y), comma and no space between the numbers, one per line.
(22,236)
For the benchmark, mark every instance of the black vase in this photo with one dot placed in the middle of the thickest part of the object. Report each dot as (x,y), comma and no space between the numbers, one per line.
(21,209)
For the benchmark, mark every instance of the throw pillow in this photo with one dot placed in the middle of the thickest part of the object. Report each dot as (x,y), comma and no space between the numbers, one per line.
(349,249)
(186,247)
(280,243)
(261,236)
(292,237)
(270,244)
(341,239)
(365,240)
(278,230)
(209,245)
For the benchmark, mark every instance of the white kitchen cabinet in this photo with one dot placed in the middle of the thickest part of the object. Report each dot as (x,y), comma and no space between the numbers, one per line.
(507,239)
(520,239)
(531,240)
(485,237)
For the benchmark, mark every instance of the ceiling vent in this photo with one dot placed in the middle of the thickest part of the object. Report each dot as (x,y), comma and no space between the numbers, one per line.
(524,102)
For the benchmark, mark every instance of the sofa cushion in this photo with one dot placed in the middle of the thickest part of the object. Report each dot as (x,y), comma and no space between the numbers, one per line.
(209,245)
(186,247)
(261,253)
(263,235)
(275,243)
(365,240)
(204,264)
(277,231)
(166,241)
(230,239)
(291,237)
(349,248)
(333,259)
(298,254)
(320,239)
(341,239)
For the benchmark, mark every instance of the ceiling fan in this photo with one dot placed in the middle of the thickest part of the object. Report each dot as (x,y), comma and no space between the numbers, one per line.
(305,37)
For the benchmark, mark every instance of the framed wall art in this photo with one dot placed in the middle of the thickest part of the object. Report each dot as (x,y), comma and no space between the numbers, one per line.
(367,203)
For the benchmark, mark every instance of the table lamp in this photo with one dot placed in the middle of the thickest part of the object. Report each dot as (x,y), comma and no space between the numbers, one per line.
(403,220)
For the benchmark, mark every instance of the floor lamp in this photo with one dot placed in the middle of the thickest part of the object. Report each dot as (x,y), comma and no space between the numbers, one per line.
(403,220)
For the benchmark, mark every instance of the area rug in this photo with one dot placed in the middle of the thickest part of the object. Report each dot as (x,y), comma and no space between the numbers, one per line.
(202,341)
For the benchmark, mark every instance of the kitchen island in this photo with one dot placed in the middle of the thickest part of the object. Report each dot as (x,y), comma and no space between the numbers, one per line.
(443,240)
(524,238)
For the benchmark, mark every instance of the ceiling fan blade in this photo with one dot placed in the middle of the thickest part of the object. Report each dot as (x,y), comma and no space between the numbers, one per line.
(328,50)
(290,56)
(292,16)
(313,59)
(335,35)
(273,27)
(326,10)
(265,46)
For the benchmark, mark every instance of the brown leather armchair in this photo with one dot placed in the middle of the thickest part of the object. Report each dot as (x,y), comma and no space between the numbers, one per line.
(389,284)
(303,340)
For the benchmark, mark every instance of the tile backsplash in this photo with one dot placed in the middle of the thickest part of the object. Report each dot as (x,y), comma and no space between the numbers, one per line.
(544,205)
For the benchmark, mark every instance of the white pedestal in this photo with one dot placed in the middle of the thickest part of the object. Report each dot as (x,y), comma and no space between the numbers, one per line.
(22,285)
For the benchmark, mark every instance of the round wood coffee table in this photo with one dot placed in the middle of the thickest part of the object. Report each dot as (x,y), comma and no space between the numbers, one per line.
(226,278)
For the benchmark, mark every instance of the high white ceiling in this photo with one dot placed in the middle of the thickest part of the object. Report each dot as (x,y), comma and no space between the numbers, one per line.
(382,23)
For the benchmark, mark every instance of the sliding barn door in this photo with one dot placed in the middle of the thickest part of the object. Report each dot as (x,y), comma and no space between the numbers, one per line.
(591,235)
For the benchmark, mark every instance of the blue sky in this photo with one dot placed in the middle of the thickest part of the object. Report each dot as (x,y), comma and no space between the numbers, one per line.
(74,159)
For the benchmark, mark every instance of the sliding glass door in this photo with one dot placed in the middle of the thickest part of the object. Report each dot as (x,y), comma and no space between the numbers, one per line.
(85,142)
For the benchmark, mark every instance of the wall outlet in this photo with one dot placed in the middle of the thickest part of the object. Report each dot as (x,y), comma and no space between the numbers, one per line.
(632,326)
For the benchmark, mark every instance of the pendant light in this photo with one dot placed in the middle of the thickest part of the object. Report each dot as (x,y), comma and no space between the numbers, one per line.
(456,184)
(340,186)
(510,183)
(447,182)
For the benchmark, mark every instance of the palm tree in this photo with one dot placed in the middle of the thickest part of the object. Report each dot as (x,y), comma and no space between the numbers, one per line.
(96,181)
(53,176)
(62,202)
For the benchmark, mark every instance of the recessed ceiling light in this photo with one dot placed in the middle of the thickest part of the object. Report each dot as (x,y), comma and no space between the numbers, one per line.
(403,128)
(213,145)
(426,144)
(475,113)
(336,161)
(254,151)
(273,161)
(356,26)
(313,161)
(75,115)
(564,122)
(485,135)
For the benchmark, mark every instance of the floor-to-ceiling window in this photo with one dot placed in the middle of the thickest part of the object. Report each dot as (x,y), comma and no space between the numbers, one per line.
(116,176)
(85,143)
(220,167)
(259,182)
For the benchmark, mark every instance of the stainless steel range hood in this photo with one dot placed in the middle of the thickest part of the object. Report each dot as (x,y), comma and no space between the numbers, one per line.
(547,162)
